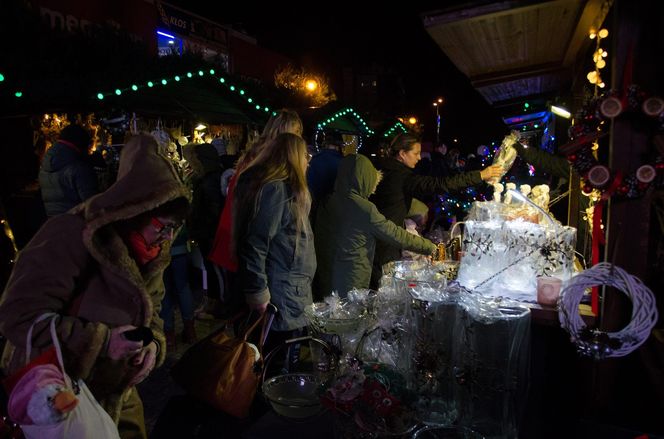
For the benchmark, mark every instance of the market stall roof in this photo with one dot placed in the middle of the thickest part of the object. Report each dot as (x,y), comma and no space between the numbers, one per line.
(392,129)
(337,117)
(511,50)
(198,94)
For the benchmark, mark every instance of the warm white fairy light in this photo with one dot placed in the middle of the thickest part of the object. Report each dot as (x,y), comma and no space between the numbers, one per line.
(594,76)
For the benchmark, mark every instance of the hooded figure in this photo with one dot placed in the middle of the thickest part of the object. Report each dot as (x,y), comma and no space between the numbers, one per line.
(65,176)
(347,227)
(96,268)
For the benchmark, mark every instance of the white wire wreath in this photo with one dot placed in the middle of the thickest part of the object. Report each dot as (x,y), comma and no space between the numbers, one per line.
(599,344)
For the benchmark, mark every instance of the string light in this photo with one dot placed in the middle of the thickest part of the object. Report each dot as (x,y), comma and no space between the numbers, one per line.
(177,78)
(594,76)
(393,128)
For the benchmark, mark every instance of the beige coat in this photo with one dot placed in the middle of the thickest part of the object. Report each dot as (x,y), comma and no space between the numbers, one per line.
(78,260)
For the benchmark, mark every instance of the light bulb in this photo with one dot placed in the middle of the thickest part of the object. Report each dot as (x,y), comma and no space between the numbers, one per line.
(592,34)
(601,64)
(603,33)
(605,54)
(592,77)
(602,84)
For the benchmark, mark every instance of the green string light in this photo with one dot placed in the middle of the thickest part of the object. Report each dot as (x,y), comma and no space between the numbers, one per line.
(2,77)
(18,94)
(134,87)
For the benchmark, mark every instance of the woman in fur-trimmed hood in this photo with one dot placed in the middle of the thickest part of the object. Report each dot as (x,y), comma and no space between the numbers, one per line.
(100,267)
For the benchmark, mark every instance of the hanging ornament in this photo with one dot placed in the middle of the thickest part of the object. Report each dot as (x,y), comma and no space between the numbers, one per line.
(653,106)
(646,174)
(599,176)
(611,107)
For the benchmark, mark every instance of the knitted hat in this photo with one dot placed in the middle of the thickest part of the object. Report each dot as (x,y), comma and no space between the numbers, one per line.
(77,135)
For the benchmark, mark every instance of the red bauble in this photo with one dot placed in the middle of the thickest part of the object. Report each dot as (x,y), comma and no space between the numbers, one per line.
(587,189)
(572,158)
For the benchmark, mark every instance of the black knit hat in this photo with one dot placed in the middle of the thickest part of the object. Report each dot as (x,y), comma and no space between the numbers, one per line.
(333,137)
(77,135)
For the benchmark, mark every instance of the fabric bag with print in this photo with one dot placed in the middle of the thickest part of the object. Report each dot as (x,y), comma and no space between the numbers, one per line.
(48,404)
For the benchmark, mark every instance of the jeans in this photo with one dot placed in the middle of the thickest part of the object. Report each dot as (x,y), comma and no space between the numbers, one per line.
(176,281)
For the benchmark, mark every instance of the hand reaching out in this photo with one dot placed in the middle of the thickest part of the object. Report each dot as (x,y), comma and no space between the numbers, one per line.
(491,173)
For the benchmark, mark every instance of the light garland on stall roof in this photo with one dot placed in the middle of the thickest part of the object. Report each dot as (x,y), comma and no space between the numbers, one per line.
(598,344)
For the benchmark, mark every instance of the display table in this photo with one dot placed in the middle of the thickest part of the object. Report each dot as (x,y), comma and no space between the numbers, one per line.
(548,315)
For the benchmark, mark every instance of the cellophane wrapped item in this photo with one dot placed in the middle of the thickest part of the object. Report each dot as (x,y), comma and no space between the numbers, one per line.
(504,258)
(506,154)
(343,320)
(433,316)
(491,364)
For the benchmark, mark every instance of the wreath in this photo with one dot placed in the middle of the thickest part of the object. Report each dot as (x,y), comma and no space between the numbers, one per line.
(588,128)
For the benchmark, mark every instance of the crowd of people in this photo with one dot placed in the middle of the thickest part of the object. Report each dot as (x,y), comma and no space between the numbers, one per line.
(112,262)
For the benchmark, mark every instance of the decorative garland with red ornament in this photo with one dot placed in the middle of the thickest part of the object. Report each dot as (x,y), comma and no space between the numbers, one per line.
(588,129)
(584,135)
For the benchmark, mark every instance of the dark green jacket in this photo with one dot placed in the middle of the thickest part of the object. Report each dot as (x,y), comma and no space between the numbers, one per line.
(348,226)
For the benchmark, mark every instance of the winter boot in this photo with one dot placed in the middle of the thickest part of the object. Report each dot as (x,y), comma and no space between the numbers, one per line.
(188,332)
(171,342)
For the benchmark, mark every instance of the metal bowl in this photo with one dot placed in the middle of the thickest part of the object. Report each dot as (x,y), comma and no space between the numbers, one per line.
(293,395)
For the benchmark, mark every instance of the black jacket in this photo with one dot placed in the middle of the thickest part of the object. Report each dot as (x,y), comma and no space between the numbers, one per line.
(66,179)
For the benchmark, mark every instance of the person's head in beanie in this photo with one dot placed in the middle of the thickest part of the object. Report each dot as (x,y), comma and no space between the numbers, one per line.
(77,136)
(333,139)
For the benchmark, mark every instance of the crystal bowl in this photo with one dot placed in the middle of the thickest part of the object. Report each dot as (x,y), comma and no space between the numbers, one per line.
(293,395)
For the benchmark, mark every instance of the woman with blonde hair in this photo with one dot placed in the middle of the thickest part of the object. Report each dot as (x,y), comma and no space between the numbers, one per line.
(284,121)
(272,237)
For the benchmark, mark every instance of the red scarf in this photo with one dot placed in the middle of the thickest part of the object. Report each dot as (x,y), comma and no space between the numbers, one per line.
(140,250)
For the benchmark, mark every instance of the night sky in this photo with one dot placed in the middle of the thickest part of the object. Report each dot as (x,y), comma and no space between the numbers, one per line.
(393,37)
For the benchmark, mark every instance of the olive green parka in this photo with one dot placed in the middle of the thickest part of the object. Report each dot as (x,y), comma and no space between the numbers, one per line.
(348,226)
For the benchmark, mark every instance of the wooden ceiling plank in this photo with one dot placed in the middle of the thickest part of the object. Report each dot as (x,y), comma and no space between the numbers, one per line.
(593,14)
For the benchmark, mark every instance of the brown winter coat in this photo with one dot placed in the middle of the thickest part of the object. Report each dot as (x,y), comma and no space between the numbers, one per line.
(78,260)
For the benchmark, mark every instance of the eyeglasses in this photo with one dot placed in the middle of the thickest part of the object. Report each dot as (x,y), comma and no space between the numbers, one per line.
(162,228)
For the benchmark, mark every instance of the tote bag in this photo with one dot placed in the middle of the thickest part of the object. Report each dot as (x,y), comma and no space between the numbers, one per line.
(224,370)
(87,420)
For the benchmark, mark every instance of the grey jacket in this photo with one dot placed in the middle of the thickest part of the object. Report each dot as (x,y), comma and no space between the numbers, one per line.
(274,263)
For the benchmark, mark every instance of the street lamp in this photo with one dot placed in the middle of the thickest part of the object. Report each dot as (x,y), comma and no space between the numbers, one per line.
(437,104)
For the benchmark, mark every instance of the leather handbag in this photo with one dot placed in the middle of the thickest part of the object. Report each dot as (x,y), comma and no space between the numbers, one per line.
(224,370)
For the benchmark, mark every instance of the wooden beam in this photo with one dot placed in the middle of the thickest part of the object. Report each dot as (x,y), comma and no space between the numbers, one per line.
(516,74)
(456,14)
(593,15)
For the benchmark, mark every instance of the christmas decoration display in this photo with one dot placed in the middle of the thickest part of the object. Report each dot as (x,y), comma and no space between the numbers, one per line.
(588,128)
(598,344)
